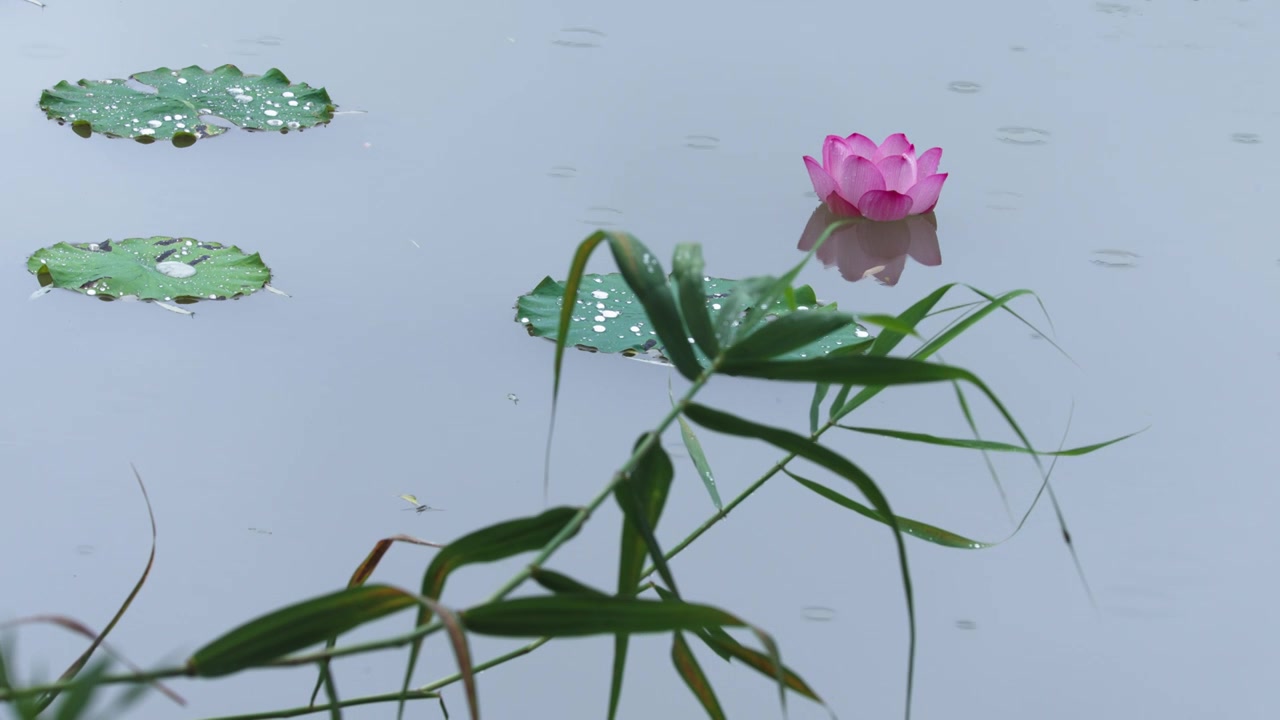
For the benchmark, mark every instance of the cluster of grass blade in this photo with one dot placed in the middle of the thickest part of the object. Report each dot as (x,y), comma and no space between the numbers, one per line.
(744,342)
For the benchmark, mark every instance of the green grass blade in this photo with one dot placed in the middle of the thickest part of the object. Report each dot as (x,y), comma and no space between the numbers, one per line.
(577,268)
(582,615)
(780,286)
(620,643)
(642,495)
(488,544)
(23,706)
(461,654)
(495,542)
(849,370)
(748,293)
(812,451)
(787,333)
(963,402)
(667,595)
(888,322)
(911,317)
(690,671)
(361,575)
(984,444)
(560,583)
(644,275)
(686,268)
(914,528)
(295,627)
(698,456)
(79,662)
(820,391)
(77,698)
(725,644)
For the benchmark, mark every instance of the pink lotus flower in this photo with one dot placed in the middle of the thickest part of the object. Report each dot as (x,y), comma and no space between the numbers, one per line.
(888,182)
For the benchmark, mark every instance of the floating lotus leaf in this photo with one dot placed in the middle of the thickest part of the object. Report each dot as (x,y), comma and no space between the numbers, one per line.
(158,268)
(176,111)
(608,318)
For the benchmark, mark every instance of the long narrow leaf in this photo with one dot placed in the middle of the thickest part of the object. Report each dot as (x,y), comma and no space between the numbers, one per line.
(581,615)
(787,333)
(461,653)
(724,643)
(686,268)
(495,542)
(812,451)
(691,672)
(642,495)
(969,420)
(295,627)
(850,369)
(983,444)
(913,316)
(820,391)
(489,544)
(782,285)
(644,275)
(562,584)
(915,528)
(888,322)
(747,294)
(700,462)
(362,573)
(79,662)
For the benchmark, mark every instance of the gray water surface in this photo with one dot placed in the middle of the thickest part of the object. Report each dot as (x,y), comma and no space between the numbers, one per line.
(1115,158)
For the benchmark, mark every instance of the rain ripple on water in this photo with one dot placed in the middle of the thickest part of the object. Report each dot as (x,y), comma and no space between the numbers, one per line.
(578,37)
(1110,258)
(701,142)
(1019,135)
(964,87)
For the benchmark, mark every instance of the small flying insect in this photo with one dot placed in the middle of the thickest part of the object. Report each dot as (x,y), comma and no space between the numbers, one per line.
(417,506)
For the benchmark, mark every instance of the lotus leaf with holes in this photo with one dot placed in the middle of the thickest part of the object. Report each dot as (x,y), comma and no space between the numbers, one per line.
(156,268)
(176,111)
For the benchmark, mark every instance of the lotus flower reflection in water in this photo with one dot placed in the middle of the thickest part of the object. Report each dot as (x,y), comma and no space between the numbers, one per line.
(863,248)
(884,182)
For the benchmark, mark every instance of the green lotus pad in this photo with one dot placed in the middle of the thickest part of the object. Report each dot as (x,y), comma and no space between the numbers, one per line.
(182,99)
(157,268)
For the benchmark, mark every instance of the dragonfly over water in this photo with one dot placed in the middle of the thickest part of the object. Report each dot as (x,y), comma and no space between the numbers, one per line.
(417,506)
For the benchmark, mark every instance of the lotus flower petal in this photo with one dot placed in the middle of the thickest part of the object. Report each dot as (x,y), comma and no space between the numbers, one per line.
(924,195)
(862,145)
(884,205)
(854,167)
(834,150)
(927,163)
(823,183)
(899,172)
(895,144)
(859,176)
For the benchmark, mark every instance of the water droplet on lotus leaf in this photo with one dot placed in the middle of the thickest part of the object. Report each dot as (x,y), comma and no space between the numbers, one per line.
(175,269)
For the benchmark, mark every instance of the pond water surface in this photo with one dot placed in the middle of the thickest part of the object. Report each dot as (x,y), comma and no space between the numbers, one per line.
(1118,159)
